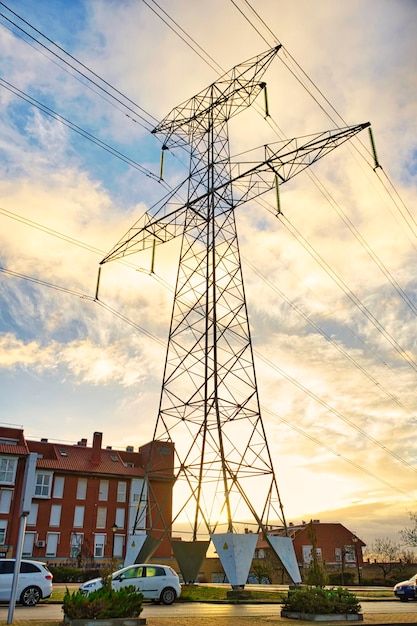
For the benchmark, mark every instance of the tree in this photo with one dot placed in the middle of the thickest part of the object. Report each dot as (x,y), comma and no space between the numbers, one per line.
(408,557)
(316,574)
(386,554)
(409,535)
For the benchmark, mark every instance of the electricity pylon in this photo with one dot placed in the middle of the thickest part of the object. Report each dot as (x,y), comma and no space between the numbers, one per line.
(209,406)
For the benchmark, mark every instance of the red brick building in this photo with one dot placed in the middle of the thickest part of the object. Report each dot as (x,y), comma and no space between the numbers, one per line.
(336,546)
(87,500)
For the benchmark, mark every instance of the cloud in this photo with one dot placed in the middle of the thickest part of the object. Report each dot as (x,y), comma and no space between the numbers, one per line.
(326,282)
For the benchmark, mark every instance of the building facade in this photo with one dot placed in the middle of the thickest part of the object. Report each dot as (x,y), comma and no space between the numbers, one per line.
(89,502)
(335,546)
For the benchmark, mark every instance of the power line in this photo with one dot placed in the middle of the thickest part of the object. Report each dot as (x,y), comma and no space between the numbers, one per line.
(150,122)
(334,343)
(346,220)
(349,293)
(332,451)
(179,31)
(80,131)
(406,215)
(145,3)
(301,431)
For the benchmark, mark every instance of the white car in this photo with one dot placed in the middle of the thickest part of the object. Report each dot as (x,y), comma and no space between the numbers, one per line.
(159,583)
(34,583)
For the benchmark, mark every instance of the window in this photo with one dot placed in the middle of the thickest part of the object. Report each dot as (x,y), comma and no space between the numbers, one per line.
(154,570)
(120,518)
(101,517)
(8,441)
(78,517)
(28,542)
(43,485)
(32,518)
(103,493)
(349,554)
(59,487)
(3,528)
(121,491)
(29,568)
(118,541)
(55,516)
(307,554)
(135,572)
(6,567)
(5,500)
(52,540)
(8,468)
(99,541)
(81,489)
(76,543)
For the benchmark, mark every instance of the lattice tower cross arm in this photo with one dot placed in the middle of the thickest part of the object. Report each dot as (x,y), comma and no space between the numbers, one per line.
(283,159)
(222,100)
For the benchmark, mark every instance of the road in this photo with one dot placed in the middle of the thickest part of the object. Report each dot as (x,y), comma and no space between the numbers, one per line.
(195,610)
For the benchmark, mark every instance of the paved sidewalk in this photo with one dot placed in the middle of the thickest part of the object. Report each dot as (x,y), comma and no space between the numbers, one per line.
(381,619)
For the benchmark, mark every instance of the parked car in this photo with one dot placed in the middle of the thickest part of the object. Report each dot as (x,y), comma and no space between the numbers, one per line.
(34,583)
(159,583)
(406,589)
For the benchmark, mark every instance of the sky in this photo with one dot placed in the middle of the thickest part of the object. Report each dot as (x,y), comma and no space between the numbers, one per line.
(330,283)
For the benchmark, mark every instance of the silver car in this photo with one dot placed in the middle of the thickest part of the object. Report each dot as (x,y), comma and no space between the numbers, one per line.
(159,583)
(34,583)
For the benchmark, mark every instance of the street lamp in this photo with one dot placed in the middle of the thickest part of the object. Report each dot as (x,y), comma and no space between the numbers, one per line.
(114,529)
(356,544)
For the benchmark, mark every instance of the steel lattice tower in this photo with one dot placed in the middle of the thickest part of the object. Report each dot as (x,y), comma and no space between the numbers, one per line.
(209,406)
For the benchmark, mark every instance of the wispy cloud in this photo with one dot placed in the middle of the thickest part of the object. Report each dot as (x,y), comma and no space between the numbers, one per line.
(334,337)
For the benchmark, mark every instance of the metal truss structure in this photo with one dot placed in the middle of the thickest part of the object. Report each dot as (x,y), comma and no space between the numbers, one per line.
(209,405)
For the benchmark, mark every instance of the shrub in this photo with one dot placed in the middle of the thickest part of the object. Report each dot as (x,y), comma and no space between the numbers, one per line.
(103,603)
(337,578)
(316,575)
(68,574)
(317,600)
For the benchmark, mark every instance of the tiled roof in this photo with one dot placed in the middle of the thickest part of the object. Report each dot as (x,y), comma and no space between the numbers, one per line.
(79,459)
(73,458)
(12,441)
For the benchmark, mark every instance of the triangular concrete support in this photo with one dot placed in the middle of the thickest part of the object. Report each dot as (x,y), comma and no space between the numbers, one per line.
(189,556)
(284,549)
(235,552)
(140,548)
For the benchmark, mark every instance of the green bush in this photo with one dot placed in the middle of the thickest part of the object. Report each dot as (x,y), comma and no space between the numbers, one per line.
(316,575)
(103,603)
(67,574)
(321,601)
(336,578)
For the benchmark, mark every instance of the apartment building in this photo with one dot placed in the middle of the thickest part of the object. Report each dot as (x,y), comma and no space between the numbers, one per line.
(336,547)
(88,501)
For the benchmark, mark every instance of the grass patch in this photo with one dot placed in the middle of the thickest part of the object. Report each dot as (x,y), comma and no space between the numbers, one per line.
(201,593)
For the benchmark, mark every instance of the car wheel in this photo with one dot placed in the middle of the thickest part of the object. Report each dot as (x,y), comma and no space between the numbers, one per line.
(30,596)
(404,599)
(168,595)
